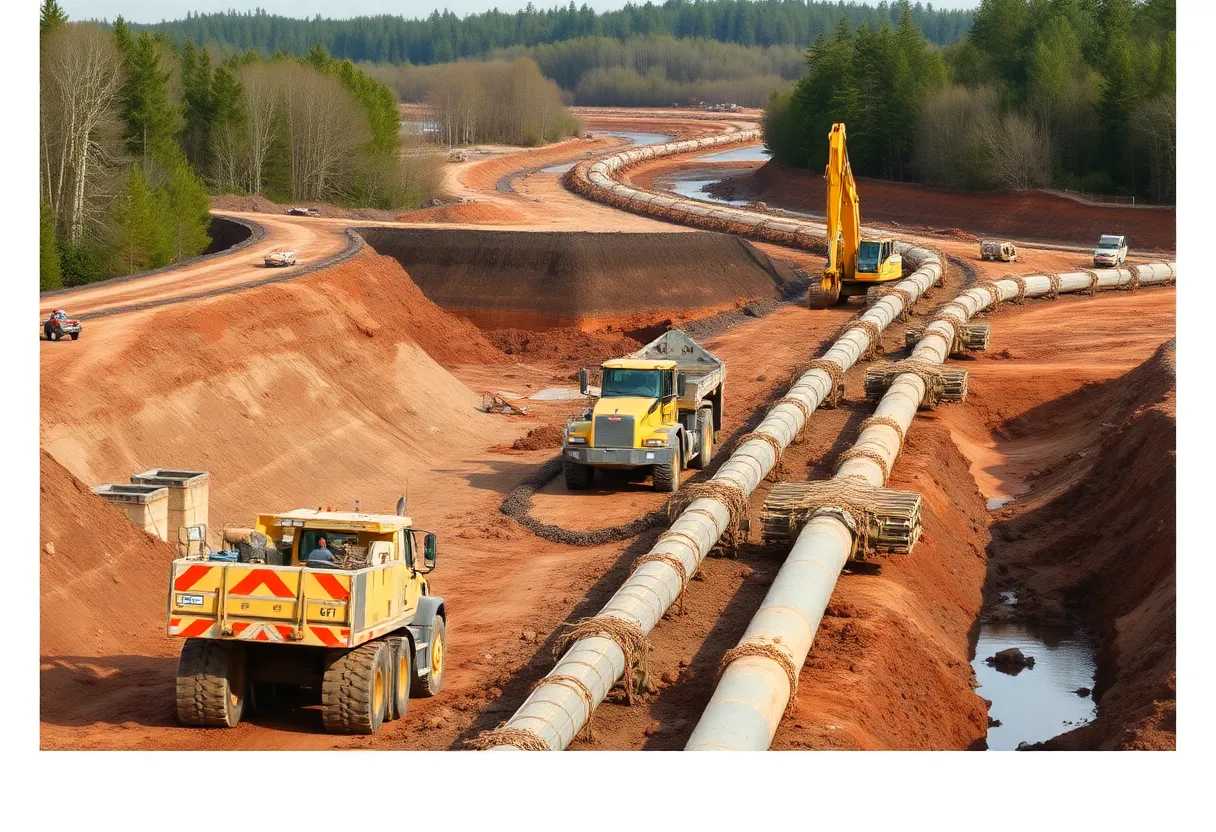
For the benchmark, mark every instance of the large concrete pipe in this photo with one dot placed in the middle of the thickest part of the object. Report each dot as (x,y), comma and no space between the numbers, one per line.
(754,690)
(563,702)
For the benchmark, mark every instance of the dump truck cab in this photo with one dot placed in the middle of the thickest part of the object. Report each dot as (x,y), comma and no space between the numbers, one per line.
(325,602)
(658,408)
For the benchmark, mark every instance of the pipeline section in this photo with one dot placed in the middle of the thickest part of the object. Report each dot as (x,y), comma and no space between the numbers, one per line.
(557,710)
(754,689)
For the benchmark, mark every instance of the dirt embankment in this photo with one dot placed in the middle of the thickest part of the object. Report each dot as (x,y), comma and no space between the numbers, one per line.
(1097,543)
(543,280)
(1025,215)
(475,213)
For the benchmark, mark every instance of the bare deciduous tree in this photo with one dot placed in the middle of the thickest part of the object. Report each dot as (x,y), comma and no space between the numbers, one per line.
(80,81)
(263,110)
(325,130)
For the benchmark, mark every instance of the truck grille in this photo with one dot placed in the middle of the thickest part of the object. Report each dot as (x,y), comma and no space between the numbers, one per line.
(613,432)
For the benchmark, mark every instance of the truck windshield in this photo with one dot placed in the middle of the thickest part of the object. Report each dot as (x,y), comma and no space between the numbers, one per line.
(1108,242)
(618,382)
(335,542)
(867,256)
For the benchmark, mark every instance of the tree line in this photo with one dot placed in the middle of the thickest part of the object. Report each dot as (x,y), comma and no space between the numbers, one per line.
(508,102)
(444,37)
(1076,94)
(135,129)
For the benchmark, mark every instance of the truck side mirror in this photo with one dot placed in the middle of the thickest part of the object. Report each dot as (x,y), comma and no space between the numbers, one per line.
(681,384)
(583,387)
(430,551)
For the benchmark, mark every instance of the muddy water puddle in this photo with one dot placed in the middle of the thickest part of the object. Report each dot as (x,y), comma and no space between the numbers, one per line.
(1035,703)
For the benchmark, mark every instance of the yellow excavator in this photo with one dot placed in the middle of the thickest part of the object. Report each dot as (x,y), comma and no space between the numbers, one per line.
(855,263)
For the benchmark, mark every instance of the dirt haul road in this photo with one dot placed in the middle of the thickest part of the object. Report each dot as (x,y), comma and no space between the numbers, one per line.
(280,392)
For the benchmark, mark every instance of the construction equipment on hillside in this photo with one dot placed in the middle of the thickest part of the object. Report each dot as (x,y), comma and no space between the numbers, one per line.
(1001,250)
(657,408)
(331,606)
(59,325)
(855,263)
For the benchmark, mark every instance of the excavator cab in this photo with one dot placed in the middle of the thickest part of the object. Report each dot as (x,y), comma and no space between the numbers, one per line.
(878,261)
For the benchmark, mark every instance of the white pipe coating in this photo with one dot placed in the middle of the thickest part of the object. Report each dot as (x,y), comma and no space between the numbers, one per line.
(752,694)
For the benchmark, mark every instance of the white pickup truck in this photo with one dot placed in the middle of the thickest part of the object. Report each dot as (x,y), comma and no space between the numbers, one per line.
(1111,251)
(281,257)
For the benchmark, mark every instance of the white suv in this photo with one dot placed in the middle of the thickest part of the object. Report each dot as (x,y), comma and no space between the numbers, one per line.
(1111,251)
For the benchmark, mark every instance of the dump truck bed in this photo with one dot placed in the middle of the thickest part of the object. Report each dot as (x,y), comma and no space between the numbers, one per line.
(291,604)
(704,372)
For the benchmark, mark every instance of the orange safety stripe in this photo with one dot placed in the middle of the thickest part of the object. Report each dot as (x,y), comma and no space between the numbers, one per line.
(333,586)
(284,630)
(239,627)
(196,628)
(262,577)
(326,635)
(190,577)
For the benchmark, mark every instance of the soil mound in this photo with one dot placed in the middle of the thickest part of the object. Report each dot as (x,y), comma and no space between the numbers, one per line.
(483,213)
(531,280)
(1104,545)
(314,391)
(98,571)
(564,344)
(1024,215)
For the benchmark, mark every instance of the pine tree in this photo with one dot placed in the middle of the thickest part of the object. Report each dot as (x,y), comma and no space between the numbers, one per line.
(51,17)
(139,242)
(152,121)
(187,215)
(49,275)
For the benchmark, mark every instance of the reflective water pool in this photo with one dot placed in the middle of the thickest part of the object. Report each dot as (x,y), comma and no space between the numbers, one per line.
(754,153)
(1036,703)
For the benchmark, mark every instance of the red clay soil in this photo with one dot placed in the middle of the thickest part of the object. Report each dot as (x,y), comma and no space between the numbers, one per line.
(484,176)
(1025,215)
(541,280)
(1111,508)
(95,645)
(256,203)
(476,213)
(564,344)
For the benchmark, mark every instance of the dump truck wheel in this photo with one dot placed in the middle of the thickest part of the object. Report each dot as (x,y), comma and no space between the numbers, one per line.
(432,683)
(578,477)
(706,450)
(820,298)
(403,674)
(667,477)
(211,689)
(356,690)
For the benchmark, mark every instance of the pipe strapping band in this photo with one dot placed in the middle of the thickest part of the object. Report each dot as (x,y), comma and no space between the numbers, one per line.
(1172,279)
(521,738)
(1133,284)
(1092,288)
(676,564)
(857,452)
(678,537)
(767,650)
(798,403)
(774,443)
(1054,281)
(907,297)
(957,323)
(708,515)
(728,494)
(627,635)
(1020,280)
(873,336)
(584,693)
(835,373)
(885,420)
(994,294)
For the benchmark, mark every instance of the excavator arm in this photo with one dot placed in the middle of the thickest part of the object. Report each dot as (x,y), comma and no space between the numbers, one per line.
(843,222)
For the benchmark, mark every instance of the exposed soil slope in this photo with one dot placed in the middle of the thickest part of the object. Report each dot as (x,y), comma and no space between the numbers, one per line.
(539,280)
(476,213)
(1102,547)
(1025,215)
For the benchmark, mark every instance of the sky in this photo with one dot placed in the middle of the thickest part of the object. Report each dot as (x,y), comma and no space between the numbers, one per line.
(154,11)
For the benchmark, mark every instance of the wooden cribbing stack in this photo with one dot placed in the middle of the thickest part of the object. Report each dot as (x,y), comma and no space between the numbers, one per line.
(883,521)
(968,338)
(941,384)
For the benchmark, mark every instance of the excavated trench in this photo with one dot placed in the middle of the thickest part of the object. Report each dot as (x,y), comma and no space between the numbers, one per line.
(630,282)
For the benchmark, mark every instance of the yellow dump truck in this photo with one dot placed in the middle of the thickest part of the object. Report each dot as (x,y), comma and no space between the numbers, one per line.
(334,607)
(658,408)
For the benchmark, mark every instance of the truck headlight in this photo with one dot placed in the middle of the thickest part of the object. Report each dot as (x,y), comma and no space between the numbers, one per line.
(577,440)
(655,443)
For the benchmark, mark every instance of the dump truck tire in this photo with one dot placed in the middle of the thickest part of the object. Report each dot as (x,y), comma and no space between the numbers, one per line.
(430,684)
(705,450)
(819,298)
(578,477)
(403,674)
(357,689)
(667,477)
(211,689)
